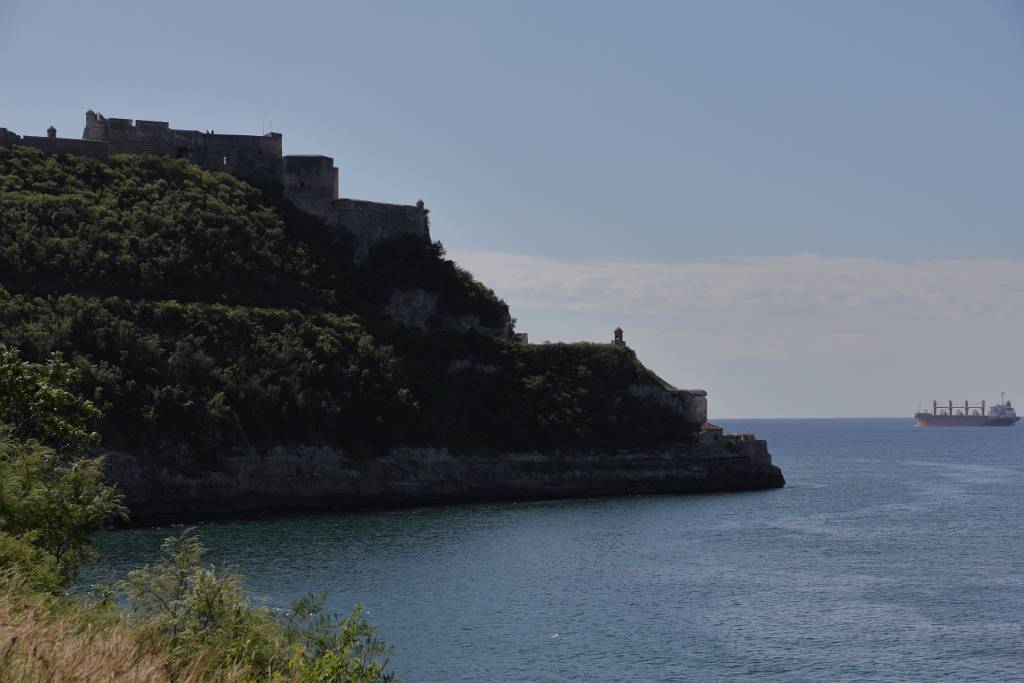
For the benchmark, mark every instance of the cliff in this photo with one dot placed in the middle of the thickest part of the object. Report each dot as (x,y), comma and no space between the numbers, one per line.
(245,361)
(162,484)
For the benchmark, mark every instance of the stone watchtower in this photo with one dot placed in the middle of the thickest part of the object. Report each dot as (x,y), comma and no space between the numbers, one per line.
(617,339)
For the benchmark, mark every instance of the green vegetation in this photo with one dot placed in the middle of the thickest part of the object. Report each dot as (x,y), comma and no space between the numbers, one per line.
(38,405)
(197,312)
(51,499)
(214,373)
(184,621)
(156,228)
(206,620)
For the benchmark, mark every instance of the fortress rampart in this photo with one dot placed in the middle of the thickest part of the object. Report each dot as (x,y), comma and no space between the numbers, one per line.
(52,144)
(309,182)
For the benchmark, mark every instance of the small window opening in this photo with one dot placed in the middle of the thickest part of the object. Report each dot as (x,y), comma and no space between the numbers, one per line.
(225,160)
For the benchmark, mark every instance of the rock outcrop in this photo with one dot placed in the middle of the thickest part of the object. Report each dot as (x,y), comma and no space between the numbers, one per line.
(418,309)
(168,486)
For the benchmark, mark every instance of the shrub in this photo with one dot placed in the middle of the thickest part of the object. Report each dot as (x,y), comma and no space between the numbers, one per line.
(207,621)
(50,505)
(190,622)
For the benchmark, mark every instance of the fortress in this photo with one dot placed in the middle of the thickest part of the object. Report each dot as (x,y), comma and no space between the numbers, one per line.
(309,182)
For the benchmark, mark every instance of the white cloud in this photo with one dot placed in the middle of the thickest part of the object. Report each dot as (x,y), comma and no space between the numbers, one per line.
(798,335)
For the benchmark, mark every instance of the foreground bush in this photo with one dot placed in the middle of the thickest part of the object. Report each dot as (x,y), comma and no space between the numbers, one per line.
(48,508)
(182,621)
(51,498)
(207,621)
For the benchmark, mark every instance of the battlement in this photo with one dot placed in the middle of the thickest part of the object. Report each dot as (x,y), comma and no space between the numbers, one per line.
(310,182)
(100,122)
(153,125)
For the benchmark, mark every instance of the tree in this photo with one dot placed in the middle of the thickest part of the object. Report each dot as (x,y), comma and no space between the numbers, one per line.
(50,498)
(36,402)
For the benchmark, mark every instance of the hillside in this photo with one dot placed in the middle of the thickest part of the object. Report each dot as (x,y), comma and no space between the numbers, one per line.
(203,314)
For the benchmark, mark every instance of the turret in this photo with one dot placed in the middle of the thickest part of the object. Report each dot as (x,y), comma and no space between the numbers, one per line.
(617,339)
(93,126)
(51,133)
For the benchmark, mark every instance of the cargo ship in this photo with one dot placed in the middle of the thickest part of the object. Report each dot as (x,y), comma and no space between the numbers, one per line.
(1000,415)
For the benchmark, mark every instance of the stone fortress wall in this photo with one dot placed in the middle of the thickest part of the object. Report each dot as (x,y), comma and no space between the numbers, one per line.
(52,144)
(256,159)
(310,182)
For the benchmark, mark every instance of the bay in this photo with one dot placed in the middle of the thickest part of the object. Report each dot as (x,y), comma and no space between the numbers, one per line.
(893,554)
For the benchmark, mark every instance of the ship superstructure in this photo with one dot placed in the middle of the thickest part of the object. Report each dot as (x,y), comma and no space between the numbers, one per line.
(999,415)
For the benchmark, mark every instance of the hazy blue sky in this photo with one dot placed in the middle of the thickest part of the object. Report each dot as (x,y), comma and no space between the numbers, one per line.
(808,208)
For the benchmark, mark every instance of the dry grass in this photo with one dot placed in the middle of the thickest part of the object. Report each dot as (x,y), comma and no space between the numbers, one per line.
(37,645)
(41,645)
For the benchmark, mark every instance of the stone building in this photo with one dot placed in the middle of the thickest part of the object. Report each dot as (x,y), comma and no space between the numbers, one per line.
(711,433)
(310,182)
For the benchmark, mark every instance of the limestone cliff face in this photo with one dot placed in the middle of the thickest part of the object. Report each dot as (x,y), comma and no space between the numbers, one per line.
(413,308)
(690,406)
(418,309)
(164,485)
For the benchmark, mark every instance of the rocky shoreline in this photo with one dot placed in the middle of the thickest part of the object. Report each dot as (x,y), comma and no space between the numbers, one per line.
(165,486)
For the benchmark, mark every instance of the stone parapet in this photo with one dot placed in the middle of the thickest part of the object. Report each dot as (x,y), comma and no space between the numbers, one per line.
(51,144)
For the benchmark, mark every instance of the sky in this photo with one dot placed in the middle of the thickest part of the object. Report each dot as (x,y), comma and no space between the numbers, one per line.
(809,209)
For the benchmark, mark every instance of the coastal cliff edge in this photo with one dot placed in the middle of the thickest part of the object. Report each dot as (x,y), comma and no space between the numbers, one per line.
(307,478)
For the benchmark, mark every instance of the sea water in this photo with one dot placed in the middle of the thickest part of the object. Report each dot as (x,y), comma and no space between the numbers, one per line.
(894,553)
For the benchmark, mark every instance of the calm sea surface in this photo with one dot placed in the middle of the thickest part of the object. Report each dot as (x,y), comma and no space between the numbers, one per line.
(893,554)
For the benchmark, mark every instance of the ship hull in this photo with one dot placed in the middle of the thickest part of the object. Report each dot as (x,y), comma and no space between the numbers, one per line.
(929,420)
